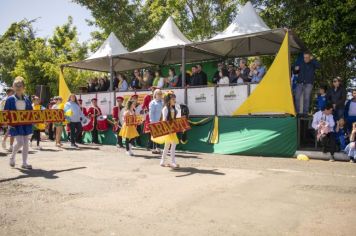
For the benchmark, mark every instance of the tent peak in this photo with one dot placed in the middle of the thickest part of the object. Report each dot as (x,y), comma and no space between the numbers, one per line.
(110,47)
(168,35)
(246,22)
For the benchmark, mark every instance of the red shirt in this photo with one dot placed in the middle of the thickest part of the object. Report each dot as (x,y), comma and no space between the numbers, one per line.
(96,111)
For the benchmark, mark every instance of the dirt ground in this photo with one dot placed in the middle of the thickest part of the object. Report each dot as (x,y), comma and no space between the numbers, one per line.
(98,190)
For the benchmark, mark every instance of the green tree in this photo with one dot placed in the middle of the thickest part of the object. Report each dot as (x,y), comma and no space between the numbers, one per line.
(326,27)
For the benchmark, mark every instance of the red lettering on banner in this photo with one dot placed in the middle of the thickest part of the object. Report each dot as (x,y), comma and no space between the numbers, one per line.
(167,127)
(30,117)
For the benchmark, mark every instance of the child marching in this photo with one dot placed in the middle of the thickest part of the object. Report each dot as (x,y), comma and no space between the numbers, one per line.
(58,125)
(17,102)
(117,116)
(169,113)
(37,128)
(128,130)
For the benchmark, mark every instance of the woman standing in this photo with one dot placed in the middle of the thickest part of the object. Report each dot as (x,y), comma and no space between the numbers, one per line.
(75,117)
(17,102)
(58,125)
(172,78)
(155,111)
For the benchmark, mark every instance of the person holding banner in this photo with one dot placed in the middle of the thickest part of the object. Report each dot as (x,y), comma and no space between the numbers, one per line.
(74,115)
(117,114)
(169,113)
(37,128)
(128,130)
(138,111)
(58,125)
(19,101)
(94,112)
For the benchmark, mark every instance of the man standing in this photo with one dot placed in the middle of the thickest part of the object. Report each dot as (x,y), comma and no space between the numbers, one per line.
(202,75)
(94,112)
(117,116)
(323,123)
(306,76)
(337,97)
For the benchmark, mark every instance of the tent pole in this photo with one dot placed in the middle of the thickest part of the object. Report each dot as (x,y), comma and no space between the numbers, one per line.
(111,74)
(183,67)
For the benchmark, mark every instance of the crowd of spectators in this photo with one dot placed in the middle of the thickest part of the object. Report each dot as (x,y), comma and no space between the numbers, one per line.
(145,79)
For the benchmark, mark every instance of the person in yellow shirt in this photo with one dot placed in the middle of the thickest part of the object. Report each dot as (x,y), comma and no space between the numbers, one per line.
(37,128)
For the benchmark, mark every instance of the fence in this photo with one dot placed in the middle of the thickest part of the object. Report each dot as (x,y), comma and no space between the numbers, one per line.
(220,100)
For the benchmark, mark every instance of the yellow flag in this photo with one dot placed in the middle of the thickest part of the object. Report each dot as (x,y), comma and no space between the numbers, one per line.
(64,91)
(274,94)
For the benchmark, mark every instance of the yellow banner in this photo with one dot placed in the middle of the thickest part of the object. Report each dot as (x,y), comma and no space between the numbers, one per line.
(14,118)
(162,128)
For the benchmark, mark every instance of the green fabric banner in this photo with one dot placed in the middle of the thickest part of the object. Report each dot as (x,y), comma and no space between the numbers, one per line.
(252,136)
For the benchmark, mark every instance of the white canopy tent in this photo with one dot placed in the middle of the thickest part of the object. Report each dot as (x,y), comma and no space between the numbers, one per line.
(166,48)
(248,35)
(101,59)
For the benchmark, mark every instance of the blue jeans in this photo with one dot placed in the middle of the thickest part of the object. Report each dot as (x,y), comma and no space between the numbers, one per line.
(305,90)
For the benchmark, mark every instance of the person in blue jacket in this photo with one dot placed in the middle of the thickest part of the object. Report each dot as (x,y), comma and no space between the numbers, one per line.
(22,133)
(350,111)
(321,99)
(306,76)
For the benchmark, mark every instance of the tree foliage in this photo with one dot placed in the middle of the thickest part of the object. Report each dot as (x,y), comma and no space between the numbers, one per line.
(38,59)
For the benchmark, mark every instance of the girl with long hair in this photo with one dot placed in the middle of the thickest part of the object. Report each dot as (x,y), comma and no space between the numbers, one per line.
(129,131)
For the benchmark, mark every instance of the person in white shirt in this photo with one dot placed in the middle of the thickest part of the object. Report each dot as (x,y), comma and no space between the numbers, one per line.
(323,123)
(223,77)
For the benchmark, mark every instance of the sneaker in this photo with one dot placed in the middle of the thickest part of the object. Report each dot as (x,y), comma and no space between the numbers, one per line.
(174,166)
(119,146)
(130,153)
(38,148)
(3,144)
(26,166)
(352,160)
(12,162)
(332,159)
(10,148)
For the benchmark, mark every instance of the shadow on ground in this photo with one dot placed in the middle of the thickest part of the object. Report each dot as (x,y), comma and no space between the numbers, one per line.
(47,174)
(191,171)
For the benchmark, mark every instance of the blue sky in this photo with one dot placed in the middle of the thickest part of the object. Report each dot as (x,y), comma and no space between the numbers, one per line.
(51,12)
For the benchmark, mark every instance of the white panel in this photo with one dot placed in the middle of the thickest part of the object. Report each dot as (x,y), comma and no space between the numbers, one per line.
(87,99)
(201,101)
(229,98)
(252,87)
(106,102)
(179,92)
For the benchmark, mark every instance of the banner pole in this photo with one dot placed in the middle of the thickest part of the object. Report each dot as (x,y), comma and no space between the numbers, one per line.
(111,74)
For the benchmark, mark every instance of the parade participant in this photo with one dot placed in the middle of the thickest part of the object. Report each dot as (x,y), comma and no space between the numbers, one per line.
(138,111)
(9,92)
(75,117)
(51,130)
(19,101)
(129,131)
(117,114)
(37,128)
(155,111)
(85,113)
(58,125)
(145,107)
(169,113)
(93,112)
